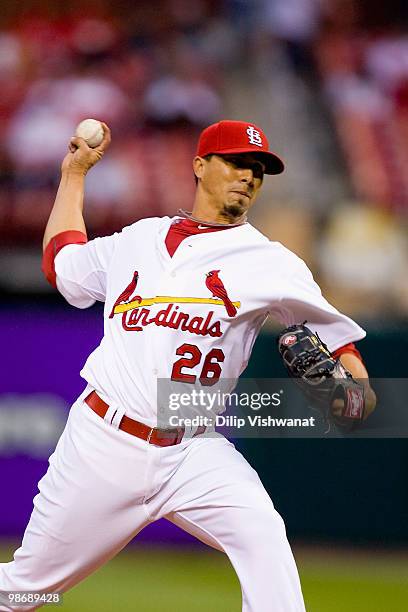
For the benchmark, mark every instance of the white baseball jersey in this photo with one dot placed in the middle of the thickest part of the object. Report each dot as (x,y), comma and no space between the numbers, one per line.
(168,322)
(188,317)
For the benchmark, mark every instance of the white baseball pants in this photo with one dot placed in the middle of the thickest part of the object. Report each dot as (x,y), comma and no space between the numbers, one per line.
(104,485)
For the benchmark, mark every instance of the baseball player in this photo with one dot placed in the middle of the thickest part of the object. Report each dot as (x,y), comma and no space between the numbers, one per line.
(185,298)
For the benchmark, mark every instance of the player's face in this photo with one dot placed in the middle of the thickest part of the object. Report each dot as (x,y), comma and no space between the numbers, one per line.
(232,182)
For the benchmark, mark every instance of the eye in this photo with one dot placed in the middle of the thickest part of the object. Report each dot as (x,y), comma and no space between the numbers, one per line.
(258,170)
(257,167)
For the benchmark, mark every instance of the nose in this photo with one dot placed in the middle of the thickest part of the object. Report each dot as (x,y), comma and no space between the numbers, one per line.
(247,176)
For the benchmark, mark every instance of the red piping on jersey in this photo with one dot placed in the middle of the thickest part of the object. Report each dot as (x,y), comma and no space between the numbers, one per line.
(53,248)
(184,228)
(348,348)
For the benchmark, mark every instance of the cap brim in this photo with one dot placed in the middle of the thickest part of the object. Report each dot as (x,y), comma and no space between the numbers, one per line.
(273,163)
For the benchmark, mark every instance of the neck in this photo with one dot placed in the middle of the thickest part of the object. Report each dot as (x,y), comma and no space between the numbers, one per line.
(190,215)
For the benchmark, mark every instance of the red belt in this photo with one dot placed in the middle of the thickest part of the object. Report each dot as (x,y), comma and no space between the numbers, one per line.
(152,435)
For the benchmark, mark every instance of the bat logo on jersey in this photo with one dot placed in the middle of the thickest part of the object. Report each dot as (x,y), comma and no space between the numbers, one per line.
(216,286)
(135,315)
(126,294)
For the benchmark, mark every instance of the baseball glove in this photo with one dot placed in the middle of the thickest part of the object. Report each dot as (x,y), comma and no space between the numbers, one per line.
(324,380)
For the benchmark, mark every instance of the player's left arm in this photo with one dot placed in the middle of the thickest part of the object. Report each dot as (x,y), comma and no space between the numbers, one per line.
(303,300)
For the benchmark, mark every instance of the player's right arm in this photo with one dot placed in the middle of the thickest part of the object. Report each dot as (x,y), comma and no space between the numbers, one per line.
(66,214)
(76,267)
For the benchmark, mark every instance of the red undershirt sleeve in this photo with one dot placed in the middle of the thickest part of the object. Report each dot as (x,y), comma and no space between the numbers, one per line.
(53,248)
(348,348)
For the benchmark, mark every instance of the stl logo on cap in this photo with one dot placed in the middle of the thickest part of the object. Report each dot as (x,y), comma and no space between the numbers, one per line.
(254,136)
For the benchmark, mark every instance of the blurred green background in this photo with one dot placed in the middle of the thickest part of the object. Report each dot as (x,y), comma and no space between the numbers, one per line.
(182,580)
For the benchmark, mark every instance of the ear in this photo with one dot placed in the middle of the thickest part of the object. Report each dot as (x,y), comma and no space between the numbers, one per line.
(198,166)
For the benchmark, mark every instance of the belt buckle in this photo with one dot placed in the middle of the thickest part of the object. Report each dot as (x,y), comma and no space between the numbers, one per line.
(177,432)
(180,433)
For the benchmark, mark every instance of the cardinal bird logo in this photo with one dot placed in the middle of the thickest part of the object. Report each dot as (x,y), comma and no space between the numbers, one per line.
(216,286)
(126,295)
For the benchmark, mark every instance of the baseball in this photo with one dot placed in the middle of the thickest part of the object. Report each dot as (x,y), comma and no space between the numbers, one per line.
(91,131)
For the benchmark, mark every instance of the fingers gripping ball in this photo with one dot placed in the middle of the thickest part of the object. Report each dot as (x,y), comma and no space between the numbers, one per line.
(323,379)
(91,131)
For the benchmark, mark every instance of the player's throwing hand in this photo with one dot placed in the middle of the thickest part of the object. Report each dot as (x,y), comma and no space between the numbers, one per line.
(80,157)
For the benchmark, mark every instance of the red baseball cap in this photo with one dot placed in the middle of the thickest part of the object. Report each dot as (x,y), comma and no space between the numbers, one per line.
(226,137)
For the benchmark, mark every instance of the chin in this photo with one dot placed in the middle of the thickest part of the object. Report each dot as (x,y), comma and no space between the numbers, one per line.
(235,209)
